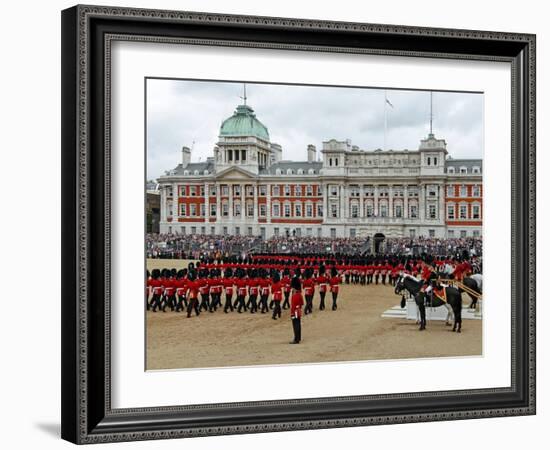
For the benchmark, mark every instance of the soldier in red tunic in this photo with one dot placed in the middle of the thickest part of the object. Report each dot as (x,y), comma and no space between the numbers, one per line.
(276,295)
(241,284)
(322,281)
(181,290)
(296,304)
(156,289)
(309,290)
(264,291)
(335,281)
(193,295)
(286,288)
(228,282)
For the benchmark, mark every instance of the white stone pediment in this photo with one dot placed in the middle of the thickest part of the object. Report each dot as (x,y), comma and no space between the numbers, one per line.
(235,173)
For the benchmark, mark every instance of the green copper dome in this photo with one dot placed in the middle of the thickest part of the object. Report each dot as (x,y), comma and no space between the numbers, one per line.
(243,122)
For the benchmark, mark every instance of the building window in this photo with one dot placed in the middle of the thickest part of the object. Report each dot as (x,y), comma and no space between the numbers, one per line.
(230,155)
(413,213)
(333,233)
(250,231)
(243,155)
(384,210)
(250,209)
(475,191)
(263,189)
(398,211)
(319,210)
(309,210)
(237,231)
(193,210)
(475,169)
(463,170)
(193,230)
(463,233)
(203,230)
(432,191)
(275,231)
(435,161)
(450,212)
(333,190)
(354,191)
(181,191)
(203,210)
(463,191)
(183,231)
(451,170)
(370,210)
(202,190)
(212,190)
(476,233)
(431,233)
(354,210)
(213,209)
(238,210)
(237,190)
(297,190)
(287,190)
(183,209)
(225,190)
(309,232)
(412,234)
(287,209)
(276,210)
(276,191)
(463,212)
(352,232)
(193,191)
(309,190)
(334,210)
(262,210)
(225,231)
(319,232)
(475,212)
(212,230)
(298,210)
(225,209)
(431,212)
(335,161)
(250,191)
(450,191)
(451,233)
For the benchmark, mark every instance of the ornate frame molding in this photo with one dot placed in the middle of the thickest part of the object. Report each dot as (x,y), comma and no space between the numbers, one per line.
(84,420)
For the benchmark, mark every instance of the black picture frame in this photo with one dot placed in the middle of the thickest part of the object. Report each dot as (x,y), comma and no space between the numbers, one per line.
(87,416)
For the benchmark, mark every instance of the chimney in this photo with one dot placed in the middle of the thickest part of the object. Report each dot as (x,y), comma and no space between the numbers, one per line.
(311,153)
(185,156)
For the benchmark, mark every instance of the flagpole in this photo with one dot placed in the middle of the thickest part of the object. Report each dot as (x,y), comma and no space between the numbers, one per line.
(385,117)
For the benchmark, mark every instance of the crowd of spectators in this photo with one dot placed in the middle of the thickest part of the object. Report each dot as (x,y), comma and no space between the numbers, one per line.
(171,246)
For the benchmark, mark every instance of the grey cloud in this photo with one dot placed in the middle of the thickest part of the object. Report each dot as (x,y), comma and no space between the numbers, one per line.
(180,112)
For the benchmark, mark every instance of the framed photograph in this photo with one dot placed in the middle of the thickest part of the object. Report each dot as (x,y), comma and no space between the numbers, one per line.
(281,224)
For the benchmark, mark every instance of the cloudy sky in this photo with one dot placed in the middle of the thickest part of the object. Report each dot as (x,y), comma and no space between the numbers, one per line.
(182,112)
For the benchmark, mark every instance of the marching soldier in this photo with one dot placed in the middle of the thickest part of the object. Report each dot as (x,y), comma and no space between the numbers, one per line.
(296,304)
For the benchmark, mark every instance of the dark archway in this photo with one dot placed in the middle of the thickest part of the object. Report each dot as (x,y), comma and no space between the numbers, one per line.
(378,240)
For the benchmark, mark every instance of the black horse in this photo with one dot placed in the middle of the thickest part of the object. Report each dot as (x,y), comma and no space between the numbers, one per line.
(474,282)
(413,286)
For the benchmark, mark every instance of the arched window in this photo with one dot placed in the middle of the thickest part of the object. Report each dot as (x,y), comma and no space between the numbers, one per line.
(196,172)
(186,172)
(289,171)
(451,170)
(300,172)
(429,160)
(330,162)
(311,171)
(278,172)
(205,172)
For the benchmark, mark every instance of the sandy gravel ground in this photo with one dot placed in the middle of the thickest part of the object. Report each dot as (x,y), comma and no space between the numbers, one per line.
(354,332)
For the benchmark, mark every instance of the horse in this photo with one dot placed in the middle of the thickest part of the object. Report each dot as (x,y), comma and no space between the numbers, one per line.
(452,295)
(475,283)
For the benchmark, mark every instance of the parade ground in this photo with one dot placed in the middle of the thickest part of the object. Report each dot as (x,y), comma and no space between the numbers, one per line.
(355,332)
